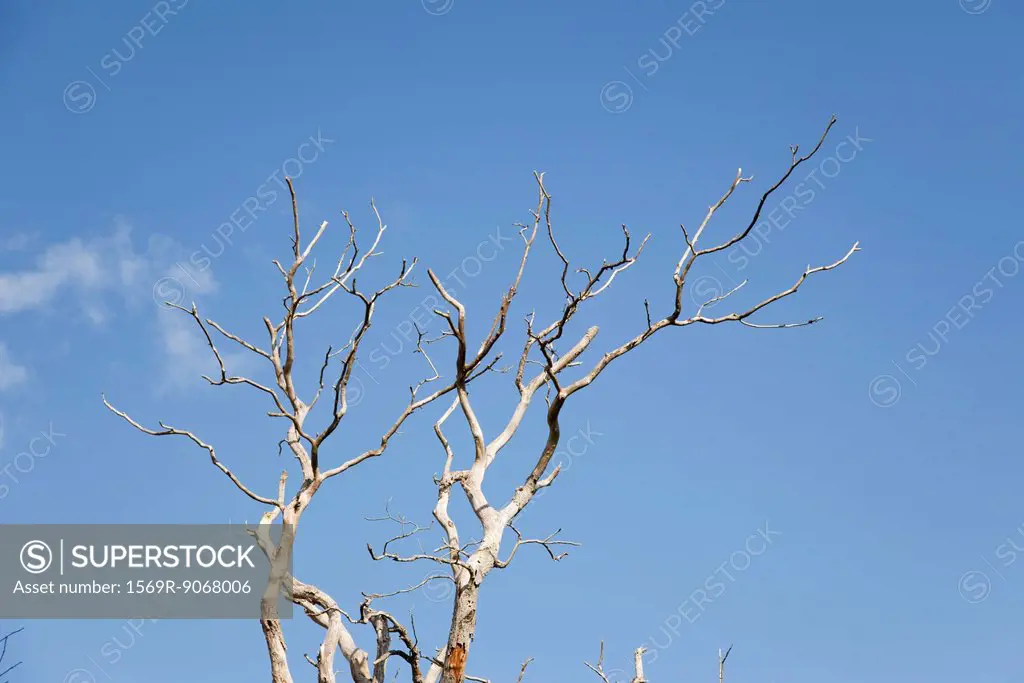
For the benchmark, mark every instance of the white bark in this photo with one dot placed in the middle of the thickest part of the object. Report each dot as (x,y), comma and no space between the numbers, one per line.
(542,347)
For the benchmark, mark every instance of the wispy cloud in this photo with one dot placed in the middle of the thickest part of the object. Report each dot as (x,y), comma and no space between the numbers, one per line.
(11,374)
(96,278)
(79,270)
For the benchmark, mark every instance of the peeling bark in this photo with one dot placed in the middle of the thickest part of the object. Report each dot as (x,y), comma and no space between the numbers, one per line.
(463,630)
(279,671)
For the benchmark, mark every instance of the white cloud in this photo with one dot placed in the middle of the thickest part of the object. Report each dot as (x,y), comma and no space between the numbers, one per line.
(88,277)
(83,271)
(11,374)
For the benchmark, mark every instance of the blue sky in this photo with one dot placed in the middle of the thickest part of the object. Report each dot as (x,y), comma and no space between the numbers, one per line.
(881,447)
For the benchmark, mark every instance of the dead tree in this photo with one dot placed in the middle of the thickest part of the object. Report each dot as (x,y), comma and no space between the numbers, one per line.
(6,667)
(286,508)
(551,363)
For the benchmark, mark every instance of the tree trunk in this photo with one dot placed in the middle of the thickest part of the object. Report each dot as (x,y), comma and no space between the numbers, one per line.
(462,631)
(279,671)
(280,565)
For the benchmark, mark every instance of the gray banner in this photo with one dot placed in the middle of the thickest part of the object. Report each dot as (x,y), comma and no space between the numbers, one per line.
(144,571)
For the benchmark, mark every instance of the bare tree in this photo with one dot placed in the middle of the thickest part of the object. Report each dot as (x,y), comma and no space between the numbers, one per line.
(302,300)
(5,666)
(551,361)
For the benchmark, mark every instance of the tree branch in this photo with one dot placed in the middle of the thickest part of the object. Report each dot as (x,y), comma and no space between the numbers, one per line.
(171,431)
